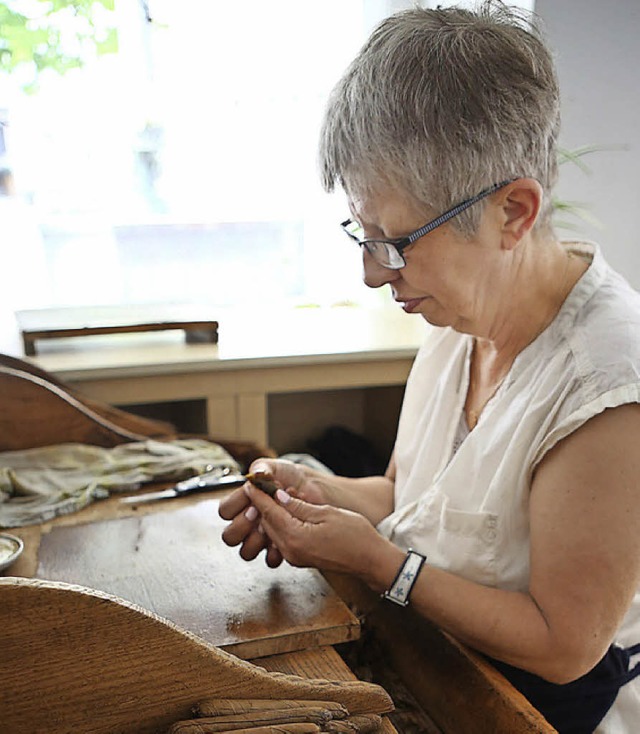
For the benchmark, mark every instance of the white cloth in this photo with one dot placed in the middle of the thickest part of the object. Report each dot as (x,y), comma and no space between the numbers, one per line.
(39,484)
(469,512)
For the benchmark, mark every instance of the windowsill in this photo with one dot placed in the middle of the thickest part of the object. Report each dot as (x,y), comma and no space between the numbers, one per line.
(274,337)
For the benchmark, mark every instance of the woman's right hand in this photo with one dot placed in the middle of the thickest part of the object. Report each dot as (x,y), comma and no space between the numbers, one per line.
(245,529)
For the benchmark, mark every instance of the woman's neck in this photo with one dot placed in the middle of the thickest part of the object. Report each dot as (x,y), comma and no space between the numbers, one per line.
(544,276)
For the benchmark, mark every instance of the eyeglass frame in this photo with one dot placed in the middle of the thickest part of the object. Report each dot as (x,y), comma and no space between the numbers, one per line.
(401,243)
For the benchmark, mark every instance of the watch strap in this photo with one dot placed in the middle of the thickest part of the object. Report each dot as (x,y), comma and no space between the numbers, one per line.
(406,577)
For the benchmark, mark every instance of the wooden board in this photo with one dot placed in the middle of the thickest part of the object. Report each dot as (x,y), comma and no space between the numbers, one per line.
(175,564)
(63,323)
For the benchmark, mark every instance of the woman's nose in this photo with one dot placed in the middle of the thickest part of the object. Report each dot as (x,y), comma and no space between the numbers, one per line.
(374,274)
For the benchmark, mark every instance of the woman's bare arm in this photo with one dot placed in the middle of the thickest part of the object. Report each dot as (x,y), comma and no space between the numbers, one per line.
(585,556)
(372,497)
(585,559)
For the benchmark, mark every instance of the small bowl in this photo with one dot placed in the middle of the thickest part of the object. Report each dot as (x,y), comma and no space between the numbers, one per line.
(10,549)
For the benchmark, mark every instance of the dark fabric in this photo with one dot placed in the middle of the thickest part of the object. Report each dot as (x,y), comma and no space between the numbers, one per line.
(577,707)
(347,453)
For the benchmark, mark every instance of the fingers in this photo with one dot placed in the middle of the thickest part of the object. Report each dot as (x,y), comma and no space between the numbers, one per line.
(233,504)
(284,506)
(246,531)
(242,525)
(244,508)
(273,557)
(255,542)
(285,473)
(302,533)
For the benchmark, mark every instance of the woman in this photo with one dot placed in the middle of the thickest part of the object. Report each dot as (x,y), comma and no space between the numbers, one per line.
(515,470)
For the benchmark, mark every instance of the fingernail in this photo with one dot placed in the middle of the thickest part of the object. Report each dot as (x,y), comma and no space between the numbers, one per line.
(283,497)
(251,514)
(261,529)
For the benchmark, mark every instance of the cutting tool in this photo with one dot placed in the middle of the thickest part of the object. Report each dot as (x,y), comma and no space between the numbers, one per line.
(201,483)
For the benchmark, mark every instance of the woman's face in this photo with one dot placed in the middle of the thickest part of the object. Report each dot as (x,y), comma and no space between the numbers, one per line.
(449,279)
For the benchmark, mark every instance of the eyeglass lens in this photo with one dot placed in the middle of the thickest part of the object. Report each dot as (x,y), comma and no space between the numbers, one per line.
(384,253)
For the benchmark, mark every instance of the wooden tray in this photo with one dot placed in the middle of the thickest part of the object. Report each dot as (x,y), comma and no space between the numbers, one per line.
(195,332)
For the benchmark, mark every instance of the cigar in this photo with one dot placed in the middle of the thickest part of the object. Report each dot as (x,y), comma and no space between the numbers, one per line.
(264,482)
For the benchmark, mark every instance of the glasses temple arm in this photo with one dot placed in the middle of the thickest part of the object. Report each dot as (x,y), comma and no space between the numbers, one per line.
(459,208)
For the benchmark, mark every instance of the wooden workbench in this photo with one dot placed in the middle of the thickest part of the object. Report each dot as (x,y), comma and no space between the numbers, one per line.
(168,557)
(285,621)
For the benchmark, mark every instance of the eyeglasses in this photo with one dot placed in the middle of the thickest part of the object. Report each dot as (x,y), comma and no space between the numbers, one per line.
(388,253)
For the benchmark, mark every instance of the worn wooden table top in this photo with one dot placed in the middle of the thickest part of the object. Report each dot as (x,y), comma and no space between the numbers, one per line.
(170,559)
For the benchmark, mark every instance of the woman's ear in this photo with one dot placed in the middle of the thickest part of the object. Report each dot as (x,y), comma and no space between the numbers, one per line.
(520,203)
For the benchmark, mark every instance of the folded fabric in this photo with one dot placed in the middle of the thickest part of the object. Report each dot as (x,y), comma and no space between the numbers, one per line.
(37,485)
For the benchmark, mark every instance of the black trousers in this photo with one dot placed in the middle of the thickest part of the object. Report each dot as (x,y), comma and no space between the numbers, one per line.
(577,707)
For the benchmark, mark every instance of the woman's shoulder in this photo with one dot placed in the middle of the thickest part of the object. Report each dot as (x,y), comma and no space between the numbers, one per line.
(592,363)
(606,330)
(600,320)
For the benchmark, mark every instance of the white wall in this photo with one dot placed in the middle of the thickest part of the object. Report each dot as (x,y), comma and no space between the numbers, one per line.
(597,45)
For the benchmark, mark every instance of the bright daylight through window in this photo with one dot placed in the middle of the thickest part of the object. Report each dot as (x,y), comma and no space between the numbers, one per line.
(179,165)
(182,167)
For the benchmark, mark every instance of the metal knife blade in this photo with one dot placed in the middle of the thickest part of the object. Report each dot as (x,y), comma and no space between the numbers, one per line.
(201,483)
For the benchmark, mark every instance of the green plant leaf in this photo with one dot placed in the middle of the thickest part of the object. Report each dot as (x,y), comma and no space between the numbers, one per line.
(108,45)
(573,209)
(36,40)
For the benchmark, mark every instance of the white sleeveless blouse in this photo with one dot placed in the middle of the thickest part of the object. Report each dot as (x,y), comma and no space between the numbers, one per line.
(468,510)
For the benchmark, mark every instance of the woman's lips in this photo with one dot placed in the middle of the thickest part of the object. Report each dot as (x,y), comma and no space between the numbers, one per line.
(410,305)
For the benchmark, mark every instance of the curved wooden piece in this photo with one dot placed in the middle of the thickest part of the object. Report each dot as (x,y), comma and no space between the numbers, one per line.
(34,412)
(146,427)
(77,660)
(19,364)
(37,409)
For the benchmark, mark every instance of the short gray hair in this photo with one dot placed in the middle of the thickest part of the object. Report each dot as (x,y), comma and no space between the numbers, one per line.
(443,103)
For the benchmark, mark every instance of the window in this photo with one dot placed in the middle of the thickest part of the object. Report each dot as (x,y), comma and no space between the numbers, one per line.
(183,168)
